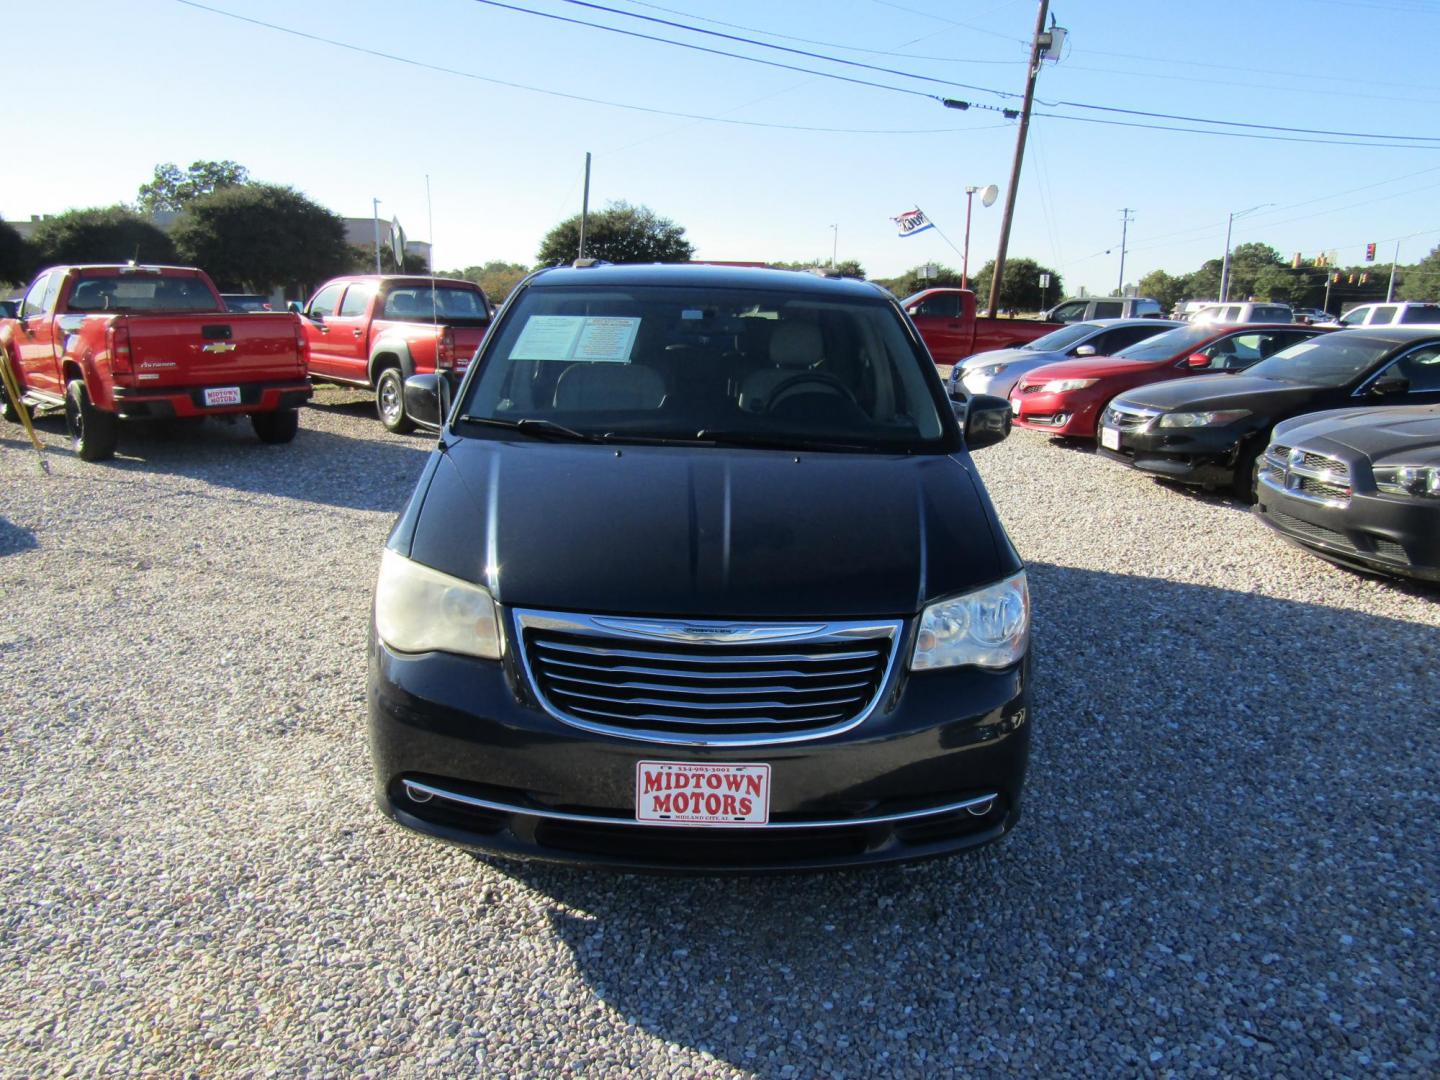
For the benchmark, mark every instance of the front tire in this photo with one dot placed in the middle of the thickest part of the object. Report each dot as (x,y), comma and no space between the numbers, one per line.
(390,402)
(1246,485)
(93,432)
(276,427)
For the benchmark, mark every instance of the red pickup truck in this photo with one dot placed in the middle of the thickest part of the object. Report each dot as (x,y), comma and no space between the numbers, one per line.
(110,342)
(951,328)
(376,331)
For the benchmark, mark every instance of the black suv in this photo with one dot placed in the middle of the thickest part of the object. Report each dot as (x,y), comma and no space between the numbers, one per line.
(701,576)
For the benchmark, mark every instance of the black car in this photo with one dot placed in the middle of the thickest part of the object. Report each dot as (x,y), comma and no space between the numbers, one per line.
(9,309)
(1210,430)
(1360,487)
(701,576)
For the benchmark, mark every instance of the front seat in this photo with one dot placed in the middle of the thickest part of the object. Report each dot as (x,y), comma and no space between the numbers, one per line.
(595,387)
(794,347)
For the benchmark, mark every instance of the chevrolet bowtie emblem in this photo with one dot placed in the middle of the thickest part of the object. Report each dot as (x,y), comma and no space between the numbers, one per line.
(218,347)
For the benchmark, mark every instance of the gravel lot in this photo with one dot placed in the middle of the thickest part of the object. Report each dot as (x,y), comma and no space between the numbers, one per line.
(1229,862)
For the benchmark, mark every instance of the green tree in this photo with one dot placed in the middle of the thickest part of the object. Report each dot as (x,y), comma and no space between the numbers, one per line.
(171,189)
(848,268)
(1418,282)
(1020,291)
(1168,289)
(497,277)
(620,233)
(913,280)
(257,236)
(100,234)
(17,261)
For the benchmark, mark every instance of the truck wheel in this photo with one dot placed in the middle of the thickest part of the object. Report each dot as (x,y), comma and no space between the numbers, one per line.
(11,410)
(390,402)
(93,432)
(279,426)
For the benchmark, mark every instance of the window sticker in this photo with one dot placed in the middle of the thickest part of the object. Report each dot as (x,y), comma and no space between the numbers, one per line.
(591,338)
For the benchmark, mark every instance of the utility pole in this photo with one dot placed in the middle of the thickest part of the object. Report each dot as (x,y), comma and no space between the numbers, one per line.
(835,248)
(1124,231)
(1390,292)
(585,207)
(375,211)
(1032,74)
(1225,265)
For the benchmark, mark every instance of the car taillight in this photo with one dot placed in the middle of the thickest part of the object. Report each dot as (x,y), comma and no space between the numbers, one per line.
(445,349)
(117,344)
(302,343)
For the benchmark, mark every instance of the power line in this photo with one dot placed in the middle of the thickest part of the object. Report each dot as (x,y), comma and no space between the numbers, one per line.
(1235,134)
(1237,123)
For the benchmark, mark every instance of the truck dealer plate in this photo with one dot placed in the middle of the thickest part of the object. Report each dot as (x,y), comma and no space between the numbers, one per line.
(222,395)
(704,795)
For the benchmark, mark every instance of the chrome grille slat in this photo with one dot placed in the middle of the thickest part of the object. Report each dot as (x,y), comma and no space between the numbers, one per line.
(729,659)
(705,690)
(705,682)
(633,669)
(1305,474)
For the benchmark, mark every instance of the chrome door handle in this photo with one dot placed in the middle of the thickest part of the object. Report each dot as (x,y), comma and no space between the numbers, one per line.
(358,331)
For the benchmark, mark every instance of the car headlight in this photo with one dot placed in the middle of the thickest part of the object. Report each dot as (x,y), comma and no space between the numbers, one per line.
(1202,419)
(1059,386)
(988,628)
(418,609)
(991,369)
(1408,480)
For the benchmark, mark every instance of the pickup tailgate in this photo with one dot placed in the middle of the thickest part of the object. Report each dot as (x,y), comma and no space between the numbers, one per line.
(216,348)
(467,340)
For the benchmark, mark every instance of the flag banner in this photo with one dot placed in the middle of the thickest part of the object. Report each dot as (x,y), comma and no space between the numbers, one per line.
(397,241)
(912,222)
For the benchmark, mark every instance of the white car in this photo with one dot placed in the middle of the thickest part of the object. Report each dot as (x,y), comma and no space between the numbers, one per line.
(1401,312)
(1251,311)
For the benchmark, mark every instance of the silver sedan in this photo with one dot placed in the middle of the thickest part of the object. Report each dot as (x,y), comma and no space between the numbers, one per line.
(997,371)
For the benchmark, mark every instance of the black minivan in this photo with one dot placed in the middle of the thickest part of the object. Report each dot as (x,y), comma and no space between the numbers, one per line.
(701,576)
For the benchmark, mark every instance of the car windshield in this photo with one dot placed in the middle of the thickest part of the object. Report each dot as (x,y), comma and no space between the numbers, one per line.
(1059,340)
(1331,360)
(142,292)
(1168,345)
(708,365)
(421,303)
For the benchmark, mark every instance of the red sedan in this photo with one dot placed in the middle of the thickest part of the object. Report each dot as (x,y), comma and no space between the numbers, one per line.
(1067,398)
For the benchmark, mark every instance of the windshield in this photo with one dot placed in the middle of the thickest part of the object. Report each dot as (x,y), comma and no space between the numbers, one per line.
(1331,360)
(1169,345)
(421,303)
(142,292)
(708,365)
(1059,340)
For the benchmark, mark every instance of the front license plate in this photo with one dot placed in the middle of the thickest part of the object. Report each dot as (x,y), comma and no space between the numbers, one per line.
(711,796)
(1109,438)
(1014,406)
(222,395)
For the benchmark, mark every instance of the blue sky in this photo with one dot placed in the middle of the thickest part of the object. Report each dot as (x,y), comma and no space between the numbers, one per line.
(122,85)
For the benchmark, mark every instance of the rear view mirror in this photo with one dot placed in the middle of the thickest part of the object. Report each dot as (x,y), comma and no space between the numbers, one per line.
(987,421)
(1197,360)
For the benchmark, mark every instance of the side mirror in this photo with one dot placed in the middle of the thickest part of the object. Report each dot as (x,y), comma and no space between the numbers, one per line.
(987,421)
(422,399)
(1390,384)
(912,311)
(1085,350)
(313,316)
(294,307)
(1197,360)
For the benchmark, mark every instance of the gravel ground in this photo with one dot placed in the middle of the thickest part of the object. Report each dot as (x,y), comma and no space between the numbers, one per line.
(1228,864)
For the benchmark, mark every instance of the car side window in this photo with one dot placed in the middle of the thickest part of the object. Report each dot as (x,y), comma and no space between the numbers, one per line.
(1422,368)
(357,299)
(35,298)
(1355,317)
(1112,341)
(1421,313)
(1111,310)
(324,301)
(1235,352)
(1383,315)
(1070,312)
(944,305)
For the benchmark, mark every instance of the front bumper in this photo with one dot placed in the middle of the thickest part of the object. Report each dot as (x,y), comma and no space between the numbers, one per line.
(1072,415)
(463,752)
(1206,457)
(164,402)
(1377,533)
(994,385)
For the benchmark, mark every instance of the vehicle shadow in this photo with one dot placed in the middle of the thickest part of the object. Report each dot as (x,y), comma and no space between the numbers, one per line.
(1210,839)
(319,466)
(16,538)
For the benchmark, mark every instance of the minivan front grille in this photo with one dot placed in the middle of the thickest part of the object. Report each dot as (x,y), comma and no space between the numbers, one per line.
(705,682)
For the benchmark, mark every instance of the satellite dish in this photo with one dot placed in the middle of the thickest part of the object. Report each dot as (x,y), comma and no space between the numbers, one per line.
(989,195)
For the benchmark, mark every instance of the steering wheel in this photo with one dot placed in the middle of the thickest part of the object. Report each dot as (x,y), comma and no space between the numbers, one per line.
(825,382)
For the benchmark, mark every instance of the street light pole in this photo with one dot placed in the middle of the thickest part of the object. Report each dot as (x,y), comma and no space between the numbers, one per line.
(835,246)
(1124,232)
(1225,265)
(965,258)
(1033,72)
(1390,292)
(375,211)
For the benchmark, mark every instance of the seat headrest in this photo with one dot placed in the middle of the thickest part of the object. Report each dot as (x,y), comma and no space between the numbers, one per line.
(796,345)
(609,386)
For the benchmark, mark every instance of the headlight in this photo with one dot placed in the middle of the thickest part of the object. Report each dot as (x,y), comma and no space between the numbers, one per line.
(1409,480)
(1059,386)
(1202,419)
(991,369)
(988,628)
(418,609)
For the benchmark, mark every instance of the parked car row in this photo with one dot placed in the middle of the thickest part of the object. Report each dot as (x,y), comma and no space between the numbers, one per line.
(1334,435)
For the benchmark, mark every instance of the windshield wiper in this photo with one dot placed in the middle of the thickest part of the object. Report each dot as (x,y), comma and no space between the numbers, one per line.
(776,442)
(541,429)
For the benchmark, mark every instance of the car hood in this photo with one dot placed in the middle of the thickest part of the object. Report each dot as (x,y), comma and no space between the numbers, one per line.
(1005,356)
(709,532)
(1093,367)
(1207,392)
(1398,431)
